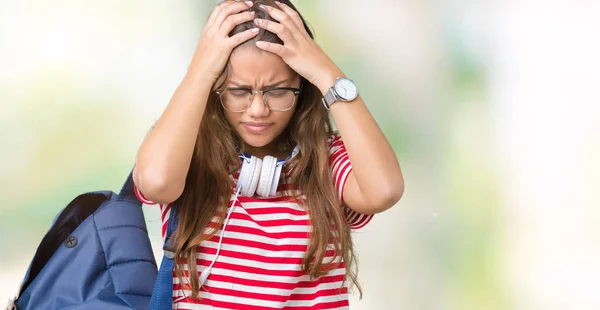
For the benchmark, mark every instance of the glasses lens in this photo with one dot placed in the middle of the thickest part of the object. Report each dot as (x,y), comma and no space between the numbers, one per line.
(235,100)
(238,100)
(280,99)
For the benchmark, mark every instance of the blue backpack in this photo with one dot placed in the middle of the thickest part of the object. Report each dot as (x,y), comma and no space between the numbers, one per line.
(97,255)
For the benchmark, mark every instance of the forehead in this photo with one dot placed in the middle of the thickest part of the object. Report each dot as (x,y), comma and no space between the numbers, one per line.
(253,66)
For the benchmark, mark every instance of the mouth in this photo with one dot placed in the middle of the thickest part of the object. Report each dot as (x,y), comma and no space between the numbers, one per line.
(256,127)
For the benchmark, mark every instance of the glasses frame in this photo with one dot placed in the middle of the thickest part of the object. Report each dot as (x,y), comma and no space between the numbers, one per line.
(253,92)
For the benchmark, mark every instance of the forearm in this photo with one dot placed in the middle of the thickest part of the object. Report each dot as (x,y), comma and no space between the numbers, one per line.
(163,159)
(375,166)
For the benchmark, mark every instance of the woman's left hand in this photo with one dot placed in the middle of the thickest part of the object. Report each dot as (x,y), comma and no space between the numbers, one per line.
(299,50)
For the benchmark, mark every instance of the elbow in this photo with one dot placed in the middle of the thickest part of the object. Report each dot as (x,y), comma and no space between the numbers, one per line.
(156,187)
(390,196)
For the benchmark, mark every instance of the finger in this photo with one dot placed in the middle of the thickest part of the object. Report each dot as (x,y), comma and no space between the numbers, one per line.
(216,11)
(280,16)
(274,48)
(280,30)
(233,20)
(242,37)
(233,8)
(292,13)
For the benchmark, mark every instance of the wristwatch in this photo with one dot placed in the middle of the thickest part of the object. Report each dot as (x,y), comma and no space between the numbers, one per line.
(343,89)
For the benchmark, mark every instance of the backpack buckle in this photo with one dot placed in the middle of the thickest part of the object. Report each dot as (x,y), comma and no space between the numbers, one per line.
(169,254)
(167,248)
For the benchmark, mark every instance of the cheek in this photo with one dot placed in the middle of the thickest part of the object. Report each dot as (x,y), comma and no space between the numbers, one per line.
(284,120)
(231,118)
(289,115)
(288,118)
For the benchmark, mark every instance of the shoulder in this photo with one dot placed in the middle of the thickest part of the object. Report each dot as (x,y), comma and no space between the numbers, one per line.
(334,142)
(333,138)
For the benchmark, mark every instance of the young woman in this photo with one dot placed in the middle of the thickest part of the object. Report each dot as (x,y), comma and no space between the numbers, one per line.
(252,237)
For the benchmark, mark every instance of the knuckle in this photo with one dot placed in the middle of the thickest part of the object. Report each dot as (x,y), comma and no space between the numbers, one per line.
(228,21)
(226,27)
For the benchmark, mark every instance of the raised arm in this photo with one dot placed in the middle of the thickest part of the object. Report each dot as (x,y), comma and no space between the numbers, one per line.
(375,183)
(164,158)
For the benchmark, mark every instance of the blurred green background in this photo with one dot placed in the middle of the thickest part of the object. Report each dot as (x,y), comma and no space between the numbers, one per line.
(492,109)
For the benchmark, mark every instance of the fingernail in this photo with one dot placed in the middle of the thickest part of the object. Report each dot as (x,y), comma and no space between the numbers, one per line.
(278,3)
(252,13)
(257,21)
(249,3)
(262,6)
(254,29)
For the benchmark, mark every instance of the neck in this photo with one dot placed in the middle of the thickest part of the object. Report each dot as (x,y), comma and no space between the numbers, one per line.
(277,149)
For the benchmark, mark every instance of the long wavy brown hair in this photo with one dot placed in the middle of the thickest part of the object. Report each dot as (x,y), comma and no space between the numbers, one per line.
(208,186)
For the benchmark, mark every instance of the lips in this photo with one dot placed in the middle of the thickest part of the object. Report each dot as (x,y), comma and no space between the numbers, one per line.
(256,127)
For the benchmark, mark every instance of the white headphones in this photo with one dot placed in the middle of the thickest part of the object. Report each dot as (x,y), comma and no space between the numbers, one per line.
(257,175)
(261,176)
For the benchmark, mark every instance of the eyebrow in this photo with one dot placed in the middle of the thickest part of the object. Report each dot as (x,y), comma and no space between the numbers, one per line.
(265,87)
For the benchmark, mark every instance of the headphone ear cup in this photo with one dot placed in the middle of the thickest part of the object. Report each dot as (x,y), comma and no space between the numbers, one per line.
(276,177)
(266,176)
(256,168)
(249,176)
(244,178)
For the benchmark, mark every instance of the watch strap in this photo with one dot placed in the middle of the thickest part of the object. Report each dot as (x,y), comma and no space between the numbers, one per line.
(329,98)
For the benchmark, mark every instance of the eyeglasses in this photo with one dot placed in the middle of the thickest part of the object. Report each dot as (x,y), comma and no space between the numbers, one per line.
(276,99)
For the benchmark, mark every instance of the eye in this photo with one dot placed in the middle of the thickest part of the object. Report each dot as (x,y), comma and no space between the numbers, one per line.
(278,92)
(239,92)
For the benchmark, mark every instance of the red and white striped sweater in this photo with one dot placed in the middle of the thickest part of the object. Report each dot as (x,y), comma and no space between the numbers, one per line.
(260,262)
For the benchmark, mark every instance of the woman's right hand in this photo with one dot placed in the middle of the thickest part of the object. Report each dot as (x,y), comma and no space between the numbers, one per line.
(215,45)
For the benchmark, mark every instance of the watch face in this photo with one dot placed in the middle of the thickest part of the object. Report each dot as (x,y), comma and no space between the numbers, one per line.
(346,89)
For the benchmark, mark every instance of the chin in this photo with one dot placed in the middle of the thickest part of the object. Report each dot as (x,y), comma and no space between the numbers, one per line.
(257,141)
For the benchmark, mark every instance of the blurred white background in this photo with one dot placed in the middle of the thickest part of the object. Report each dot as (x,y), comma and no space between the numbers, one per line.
(492,108)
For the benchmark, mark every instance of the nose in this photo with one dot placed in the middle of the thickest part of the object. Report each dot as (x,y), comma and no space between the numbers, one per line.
(257,107)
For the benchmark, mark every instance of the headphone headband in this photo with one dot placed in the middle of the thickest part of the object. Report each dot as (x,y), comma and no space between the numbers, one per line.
(247,157)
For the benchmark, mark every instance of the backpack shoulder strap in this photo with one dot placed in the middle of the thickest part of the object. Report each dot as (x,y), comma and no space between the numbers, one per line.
(162,294)
(127,191)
